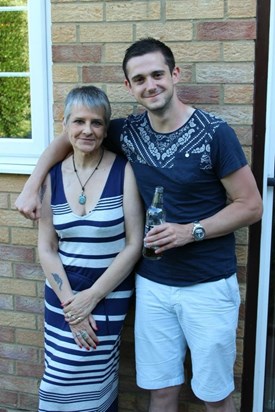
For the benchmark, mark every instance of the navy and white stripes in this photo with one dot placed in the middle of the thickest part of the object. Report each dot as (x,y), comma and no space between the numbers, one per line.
(77,380)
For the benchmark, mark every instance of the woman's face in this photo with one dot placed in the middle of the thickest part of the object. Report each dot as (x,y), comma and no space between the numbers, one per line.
(86,128)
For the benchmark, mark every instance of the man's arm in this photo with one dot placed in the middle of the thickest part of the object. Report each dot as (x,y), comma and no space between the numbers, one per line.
(28,202)
(244,209)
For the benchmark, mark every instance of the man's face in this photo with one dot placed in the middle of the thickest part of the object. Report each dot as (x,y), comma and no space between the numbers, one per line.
(150,81)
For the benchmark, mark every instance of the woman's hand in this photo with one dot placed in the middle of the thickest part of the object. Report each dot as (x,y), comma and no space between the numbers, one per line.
(79,307)
(84,334)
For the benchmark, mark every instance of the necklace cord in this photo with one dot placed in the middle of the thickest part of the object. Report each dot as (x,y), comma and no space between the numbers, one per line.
(82,197)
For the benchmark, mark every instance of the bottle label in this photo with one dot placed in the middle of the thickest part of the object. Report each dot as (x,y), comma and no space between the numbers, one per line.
(148,228)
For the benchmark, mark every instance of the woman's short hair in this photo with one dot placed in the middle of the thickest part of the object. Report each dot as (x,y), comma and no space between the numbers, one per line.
(88,96)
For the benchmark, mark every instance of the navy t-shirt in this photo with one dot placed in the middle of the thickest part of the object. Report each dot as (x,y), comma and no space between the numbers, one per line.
(189,164)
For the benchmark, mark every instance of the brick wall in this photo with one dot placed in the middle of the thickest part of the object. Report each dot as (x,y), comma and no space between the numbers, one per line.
(213,42)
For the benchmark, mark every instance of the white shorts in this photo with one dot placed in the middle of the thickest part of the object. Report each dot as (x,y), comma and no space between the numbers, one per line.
(203,317)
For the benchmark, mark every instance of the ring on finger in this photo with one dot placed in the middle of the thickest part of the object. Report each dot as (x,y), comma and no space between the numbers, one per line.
(78,334)
(84,334)
(69,314)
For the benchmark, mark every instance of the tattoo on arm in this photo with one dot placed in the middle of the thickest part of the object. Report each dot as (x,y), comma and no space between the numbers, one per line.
(42,192)
(58,280)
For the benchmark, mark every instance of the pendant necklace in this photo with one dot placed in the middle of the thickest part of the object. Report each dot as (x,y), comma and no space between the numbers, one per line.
(82,197)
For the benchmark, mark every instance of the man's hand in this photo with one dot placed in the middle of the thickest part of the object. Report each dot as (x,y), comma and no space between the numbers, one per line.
(29,205)
(168,236)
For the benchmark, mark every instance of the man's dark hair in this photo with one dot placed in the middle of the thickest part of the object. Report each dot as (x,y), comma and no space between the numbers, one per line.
(148,45)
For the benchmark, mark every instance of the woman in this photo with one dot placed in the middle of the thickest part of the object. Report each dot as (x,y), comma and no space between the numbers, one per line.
(90,237)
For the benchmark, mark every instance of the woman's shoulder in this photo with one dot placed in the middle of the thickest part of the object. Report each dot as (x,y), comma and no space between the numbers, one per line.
(112,157)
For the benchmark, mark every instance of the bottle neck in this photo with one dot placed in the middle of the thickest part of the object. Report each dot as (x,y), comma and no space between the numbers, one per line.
(158,199)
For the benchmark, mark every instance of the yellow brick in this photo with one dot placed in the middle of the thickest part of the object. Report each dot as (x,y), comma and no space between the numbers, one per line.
(184,52)
(40,322)
(128,11)
(58,128)
(241,253)
(225,73)
(17,320)
(190,9)
(17,287)
(29,337)
(4,200)
(234,115)
(121,110)
(248,154)
(242,287)
(63,33)
(4,235)
(239,94)
(240,332)
(239,346)
(26,237)
(13,218)
(242,236)
(170,31)
(105,33)
(118,93)
(244,8)
(61,90)
(76,12)
(12,183)
(58,111)
(68,73)
(196,52)
(239,51)
(114,53)
(238,367)
(5,268)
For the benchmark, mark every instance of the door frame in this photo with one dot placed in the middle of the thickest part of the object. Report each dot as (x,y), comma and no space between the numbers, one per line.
(254,282)
(266,233)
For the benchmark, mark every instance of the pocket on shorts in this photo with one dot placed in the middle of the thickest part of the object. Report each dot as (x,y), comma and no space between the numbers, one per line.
(232,287)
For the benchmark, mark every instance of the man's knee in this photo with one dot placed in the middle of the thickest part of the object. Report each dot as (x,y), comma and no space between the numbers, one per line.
(172,392)
(225,405)
(165,399)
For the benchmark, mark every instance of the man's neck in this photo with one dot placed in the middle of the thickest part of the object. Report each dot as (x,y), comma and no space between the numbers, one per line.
(172,119)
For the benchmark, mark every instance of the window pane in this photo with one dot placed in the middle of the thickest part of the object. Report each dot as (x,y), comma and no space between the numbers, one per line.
(13,3)
(14,51)
(15,117)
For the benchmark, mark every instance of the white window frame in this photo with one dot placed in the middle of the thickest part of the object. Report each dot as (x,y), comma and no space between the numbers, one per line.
(19,155)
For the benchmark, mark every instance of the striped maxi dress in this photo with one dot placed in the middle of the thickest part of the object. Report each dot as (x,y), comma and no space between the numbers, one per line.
(77,380)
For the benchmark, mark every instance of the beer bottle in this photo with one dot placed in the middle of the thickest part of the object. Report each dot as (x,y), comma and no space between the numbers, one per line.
(154,216)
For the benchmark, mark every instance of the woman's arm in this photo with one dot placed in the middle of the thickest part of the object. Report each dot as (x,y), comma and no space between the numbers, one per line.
(28,202)
(124,262)
(48,249)
(54,271)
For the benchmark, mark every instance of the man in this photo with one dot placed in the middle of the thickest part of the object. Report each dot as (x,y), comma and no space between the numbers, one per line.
(190,297)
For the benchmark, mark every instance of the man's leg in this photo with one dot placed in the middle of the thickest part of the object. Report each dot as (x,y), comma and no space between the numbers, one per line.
(226,405)
(160,345)
(165,400)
